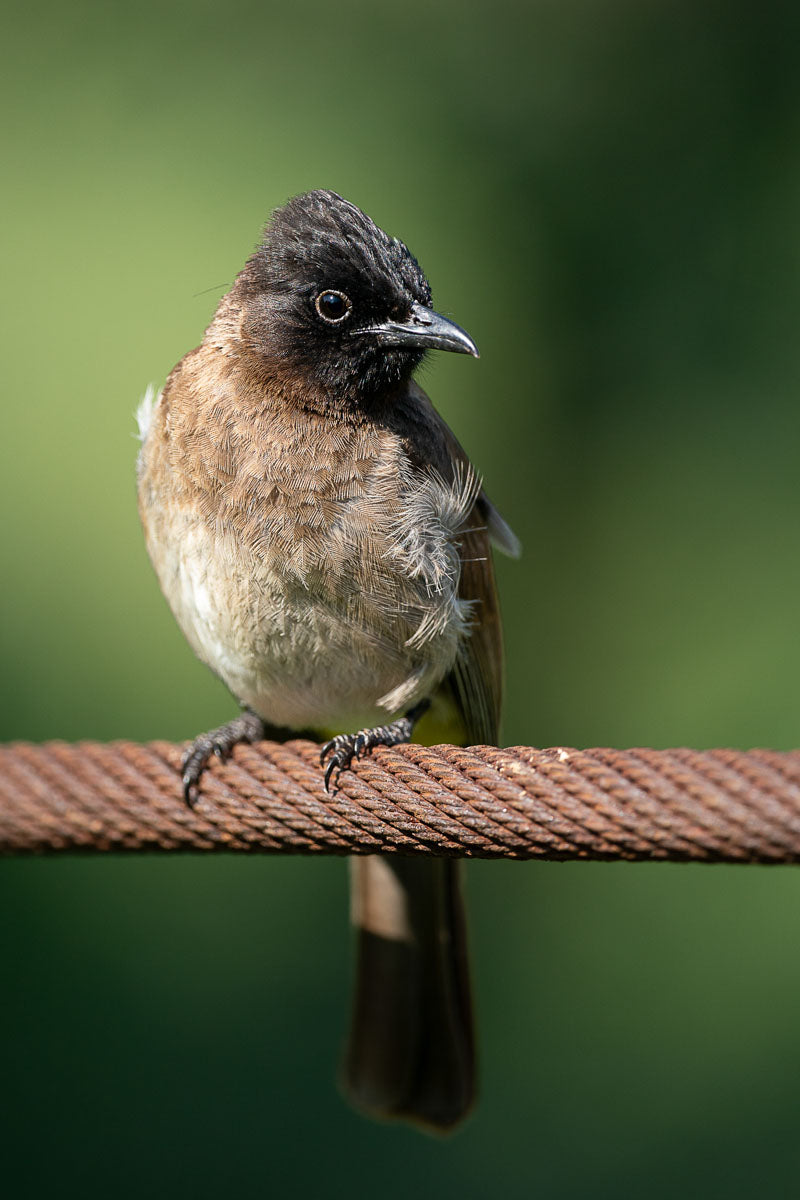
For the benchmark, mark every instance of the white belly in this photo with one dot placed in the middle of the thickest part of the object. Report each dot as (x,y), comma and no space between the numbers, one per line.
(334,642)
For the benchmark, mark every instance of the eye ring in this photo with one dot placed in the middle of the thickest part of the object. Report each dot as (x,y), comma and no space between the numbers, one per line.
(332,306)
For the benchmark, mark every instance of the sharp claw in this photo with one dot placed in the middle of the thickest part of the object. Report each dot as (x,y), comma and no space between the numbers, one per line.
(326,749)
(331,767)
(360,745)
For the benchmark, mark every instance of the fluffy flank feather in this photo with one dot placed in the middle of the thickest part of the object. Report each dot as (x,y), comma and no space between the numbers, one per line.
(426,540)
(144,413)
(426,532)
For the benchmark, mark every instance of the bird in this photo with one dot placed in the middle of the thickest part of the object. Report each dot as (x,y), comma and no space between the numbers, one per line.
(324,543)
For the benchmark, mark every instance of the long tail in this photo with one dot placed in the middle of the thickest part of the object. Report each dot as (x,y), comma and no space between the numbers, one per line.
(411,1052)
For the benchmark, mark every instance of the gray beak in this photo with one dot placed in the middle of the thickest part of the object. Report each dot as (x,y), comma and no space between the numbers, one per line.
(424,330)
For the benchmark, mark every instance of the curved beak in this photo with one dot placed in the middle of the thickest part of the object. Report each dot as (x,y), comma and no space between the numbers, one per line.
(423,330)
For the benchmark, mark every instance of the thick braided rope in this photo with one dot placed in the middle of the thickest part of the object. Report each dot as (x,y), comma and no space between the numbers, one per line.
(480,802)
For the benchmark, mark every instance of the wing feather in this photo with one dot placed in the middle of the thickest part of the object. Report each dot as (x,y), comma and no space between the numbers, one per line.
(476,680)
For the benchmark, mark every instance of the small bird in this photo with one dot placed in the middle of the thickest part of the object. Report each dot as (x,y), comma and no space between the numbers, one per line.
(324,544)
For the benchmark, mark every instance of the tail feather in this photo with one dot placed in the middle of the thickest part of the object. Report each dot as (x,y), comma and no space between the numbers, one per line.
(411,1049)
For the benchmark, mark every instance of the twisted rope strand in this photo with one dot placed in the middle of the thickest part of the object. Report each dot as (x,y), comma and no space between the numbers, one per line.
(477,802)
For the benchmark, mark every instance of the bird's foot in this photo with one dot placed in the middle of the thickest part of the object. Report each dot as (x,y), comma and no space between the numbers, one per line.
(245,728)
(341,750)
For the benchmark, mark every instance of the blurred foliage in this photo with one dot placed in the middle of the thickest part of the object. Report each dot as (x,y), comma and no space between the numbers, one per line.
(605,195)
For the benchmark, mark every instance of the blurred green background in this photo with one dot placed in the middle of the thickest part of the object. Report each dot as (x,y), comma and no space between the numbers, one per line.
(607,196)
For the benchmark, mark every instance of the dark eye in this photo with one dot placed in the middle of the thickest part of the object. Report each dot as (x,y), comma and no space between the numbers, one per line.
(332,306)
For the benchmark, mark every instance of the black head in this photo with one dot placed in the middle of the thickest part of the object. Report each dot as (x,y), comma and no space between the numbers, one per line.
(338,302)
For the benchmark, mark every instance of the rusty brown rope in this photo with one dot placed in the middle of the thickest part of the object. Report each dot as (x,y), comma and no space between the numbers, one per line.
(481,802)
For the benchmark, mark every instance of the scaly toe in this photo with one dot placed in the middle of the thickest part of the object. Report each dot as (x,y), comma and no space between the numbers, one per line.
(245,728)
(327,749)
